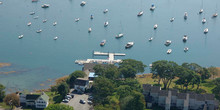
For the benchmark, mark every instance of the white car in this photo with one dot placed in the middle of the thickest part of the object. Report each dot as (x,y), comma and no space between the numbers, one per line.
(89,102)
(65,100)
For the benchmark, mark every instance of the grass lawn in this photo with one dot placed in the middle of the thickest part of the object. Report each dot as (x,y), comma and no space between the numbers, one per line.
(3,105)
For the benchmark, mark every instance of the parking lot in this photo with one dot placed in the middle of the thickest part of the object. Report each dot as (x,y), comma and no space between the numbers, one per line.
(74,102)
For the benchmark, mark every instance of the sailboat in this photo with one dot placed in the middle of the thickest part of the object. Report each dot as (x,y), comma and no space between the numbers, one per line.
(201,10)
(215,14)
(119,35)
(141,12)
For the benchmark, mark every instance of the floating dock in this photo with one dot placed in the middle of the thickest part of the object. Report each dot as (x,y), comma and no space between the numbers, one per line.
(110,60)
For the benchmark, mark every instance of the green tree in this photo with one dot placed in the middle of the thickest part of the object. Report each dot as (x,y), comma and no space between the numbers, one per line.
(108,71)
(213,71)
(2,92)
(12,100)
(165,70)
(123,91)
(128,71)
(192,66)
(216,90)
(74,76)
(59,107)
(63,89)
(103,87)
(205,74)
(137,65)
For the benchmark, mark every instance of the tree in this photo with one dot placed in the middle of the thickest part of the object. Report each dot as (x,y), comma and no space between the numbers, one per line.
(192,66)
(128,71)
(2,92)
(103,87)
(165,70)
(74,76)
(137,65)
(213,71)
(59,107)
(12,100)
(63,89)
(123,91)
(205,74)
(216,90)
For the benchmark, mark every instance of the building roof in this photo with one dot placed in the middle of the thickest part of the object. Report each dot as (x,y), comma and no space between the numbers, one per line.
(89,66)
(92,75)
(81,82)
(163,93)
(200,97)
(32,96)
(182,95)
(146,87)
(155,89)
(44,96)
(192,95)
(209,96)
(174,92)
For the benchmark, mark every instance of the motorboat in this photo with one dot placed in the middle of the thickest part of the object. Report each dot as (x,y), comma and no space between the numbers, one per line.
(155,26)
(185,15)
(29,23)
(77,19)
(44,21)
(185,37)
(91,17)
(82,3)
(150,39)
(203,20)
(206,30)
(20,37)
(172,19)
(105,11)
(45,6)
(140,13)
(32,13)
(152,7)
(129,45)
(36,17)
(103,43)
(55,38)
(119,35)
(55,23)
(106,24)
(1,3)
(90,30)
(168,42)
(200,11)
(39,31)
(186,49)
(34,0)
(169,51)
(215,15)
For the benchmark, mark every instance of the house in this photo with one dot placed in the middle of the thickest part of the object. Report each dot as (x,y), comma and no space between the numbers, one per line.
(154,91)
(200,101)
(173,97)
(81,85)
(34,100)
(192,101)
(164,99)
(182,101)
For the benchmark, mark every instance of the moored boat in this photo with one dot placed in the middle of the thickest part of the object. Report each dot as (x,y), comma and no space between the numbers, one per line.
(169,51)
(215,15)
(140,13)
(106,24)
(203,20)
(29,23)
(155,26)
(150,39)
(39,31)
(90,30)
(206,30)
(45,6)
(20,37)
(91,17)
(103,43)
(32,13)
(200,11)
(77,19)
(172,19)
(119,35)
(152,7)
(44,21)
(55,23)
(186,49)
(185,37)
(82,3)
(55,38)
(129,45)
(168,42)
(185,15)
(105,11)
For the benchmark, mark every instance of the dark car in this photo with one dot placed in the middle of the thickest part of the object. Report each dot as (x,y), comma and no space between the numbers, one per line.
(72,95)
(82,101)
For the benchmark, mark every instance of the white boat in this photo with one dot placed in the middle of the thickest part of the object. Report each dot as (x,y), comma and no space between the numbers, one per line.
(200,11)
(155,26)
(91,17)
(44,21)
(172,19)
(90,30)
(106,24)
(55,23)
(215,15)
(32,13)
(45,6)
(82,3)
(168,42)
(152,7)
(29,23)
(119,35)
(185,37)
(39,31)
(129,44)
(186,49)
(1,3)
(206,30)
(150,39)
(185,15)
(169,51)
(203,20)
(77,19)
(140,13)
(36,17)
(20,37)
(55,38)
(103,43)
(105,11)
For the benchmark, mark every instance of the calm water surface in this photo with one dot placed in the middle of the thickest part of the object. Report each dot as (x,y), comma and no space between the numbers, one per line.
(37,57)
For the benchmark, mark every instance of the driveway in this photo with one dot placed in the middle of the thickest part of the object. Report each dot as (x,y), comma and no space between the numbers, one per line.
(74,102)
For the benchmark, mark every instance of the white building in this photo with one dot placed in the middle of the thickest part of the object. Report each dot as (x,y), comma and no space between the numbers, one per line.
(42,101)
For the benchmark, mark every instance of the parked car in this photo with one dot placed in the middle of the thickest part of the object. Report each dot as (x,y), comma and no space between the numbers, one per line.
(65,100)
(68,97)
(89,102)
(72,95)
(82,101)
(90,98)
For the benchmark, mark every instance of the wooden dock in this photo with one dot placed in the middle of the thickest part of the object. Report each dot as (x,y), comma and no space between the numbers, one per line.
(110,60)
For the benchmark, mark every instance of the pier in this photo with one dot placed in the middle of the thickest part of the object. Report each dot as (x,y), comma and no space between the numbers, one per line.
(110,60)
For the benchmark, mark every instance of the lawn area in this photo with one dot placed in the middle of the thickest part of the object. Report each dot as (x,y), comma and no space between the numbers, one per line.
(3,105)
